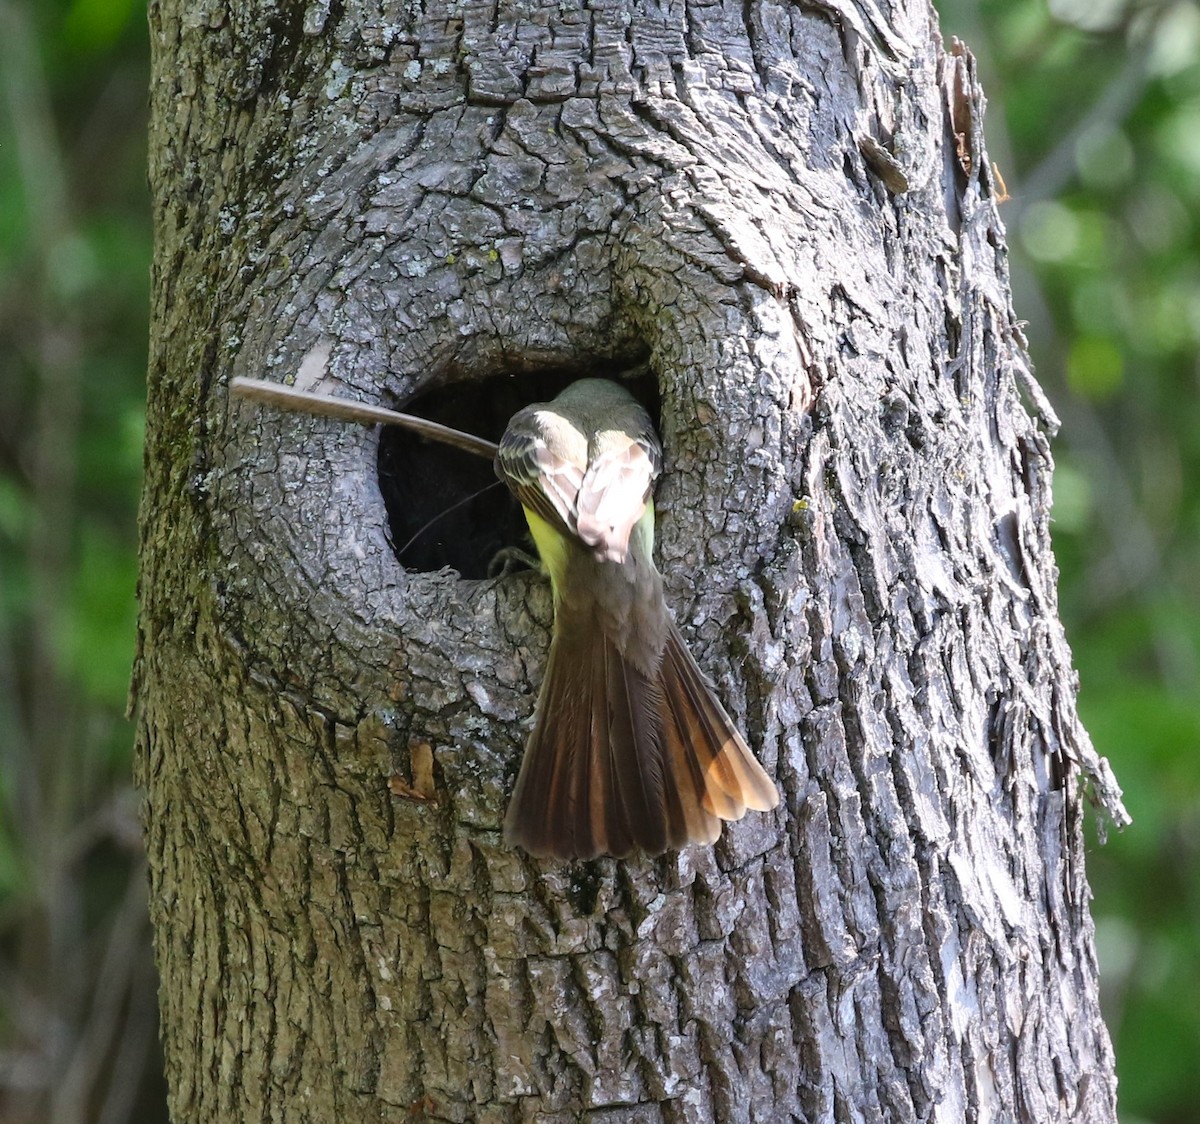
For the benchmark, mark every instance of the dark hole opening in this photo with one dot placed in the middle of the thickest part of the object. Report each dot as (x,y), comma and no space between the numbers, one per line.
(444,506)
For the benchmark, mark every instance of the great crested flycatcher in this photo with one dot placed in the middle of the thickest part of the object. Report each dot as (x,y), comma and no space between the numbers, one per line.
(630,747)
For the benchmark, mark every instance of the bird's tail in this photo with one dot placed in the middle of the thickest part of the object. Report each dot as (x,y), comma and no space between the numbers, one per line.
(620,760)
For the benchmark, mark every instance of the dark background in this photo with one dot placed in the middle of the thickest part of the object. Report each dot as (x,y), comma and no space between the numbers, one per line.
(1094,124)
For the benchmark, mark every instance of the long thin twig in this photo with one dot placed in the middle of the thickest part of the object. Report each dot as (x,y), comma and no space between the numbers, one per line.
(305,401)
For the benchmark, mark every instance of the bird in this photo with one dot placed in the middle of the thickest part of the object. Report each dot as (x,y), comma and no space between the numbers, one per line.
(630,748)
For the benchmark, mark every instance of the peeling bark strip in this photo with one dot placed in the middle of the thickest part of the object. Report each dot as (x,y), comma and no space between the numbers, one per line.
(773,204)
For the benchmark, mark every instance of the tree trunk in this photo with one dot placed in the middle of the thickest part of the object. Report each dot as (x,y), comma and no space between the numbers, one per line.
(782,216)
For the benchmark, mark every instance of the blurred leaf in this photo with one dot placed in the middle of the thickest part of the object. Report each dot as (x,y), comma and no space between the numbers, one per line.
(1073,499)
(93,26)
(1049,231)
(1095,367)
(1089,15)
(1104,158)
(1177,40)
(104,617)
(14,510)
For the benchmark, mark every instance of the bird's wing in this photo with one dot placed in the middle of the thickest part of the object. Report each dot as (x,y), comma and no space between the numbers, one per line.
(615,490)
(593,486)
(542,458)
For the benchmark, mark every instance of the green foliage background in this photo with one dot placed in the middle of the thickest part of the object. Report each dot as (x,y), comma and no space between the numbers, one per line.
(77,988)
(1094,121)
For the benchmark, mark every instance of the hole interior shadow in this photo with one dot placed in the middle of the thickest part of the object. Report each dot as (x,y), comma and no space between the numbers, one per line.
(445,507)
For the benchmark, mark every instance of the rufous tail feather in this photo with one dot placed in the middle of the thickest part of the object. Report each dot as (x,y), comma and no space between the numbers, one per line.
(619,760)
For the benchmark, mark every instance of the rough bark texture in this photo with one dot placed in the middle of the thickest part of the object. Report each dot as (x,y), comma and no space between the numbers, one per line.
(787,209)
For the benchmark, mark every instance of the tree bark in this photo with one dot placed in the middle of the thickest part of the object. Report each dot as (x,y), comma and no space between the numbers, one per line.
(783,212)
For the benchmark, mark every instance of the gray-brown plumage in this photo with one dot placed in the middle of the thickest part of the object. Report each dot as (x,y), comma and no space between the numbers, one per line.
(630,748)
